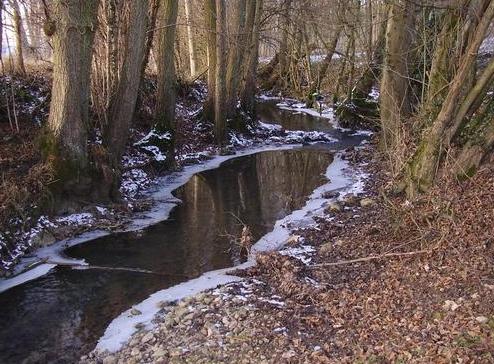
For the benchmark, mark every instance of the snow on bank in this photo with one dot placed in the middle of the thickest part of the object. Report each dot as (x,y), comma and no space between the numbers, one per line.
(325,113)
(161,194)
(340,178)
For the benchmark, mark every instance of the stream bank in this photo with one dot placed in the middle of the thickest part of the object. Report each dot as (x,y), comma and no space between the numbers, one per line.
(376,279)
(90,282)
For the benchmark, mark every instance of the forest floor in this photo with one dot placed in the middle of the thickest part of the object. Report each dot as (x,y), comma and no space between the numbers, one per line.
(378,279)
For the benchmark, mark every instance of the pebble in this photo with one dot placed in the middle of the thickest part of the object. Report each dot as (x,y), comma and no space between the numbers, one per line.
(367,202)
(135,312)
(481,319)
(146,338)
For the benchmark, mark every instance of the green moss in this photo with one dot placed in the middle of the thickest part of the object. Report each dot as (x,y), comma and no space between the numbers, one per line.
(466,340)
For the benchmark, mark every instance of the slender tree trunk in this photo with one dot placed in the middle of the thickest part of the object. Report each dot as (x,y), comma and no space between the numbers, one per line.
(373,71)
(394,102)
(190,39)
(248,93)
(220,83)
(111,50)
(235,55)
(422,168)
(480,142)
(123,103)
(65,145)
(1,35)
(19,54)
(209,105)
(167,79)
(284,56)
(166,92)
(441,70)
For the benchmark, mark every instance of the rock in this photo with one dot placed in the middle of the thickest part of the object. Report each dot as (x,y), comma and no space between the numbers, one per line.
(44,238)
(292,240)
(333,207)
(147,338)
(481,319)
(135,352)
(325,248)
(135,312)
(159,353)
(450,305)
(367,202)
(109,360)
(330,194)
(350,200)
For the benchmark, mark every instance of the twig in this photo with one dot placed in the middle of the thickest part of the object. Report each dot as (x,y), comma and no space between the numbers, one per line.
(369,258)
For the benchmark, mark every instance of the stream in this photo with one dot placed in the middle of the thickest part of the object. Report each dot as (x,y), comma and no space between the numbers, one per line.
(61,315)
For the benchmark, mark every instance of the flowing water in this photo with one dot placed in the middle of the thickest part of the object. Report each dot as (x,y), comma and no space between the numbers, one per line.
(60,316)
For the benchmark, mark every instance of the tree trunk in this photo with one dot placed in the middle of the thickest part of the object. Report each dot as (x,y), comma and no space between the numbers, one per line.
(167,79)
(111,50)
(248,93)
(209,105)
(220,83)
(283,53)
(394,103)
(235,55)
(166,92)
(441,70)
(422,168)
(480,142)
(123,103)
(190,39)
(65,145)
(19,57)
(1,35)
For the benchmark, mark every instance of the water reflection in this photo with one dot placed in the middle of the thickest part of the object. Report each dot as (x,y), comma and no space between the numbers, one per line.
(58,317)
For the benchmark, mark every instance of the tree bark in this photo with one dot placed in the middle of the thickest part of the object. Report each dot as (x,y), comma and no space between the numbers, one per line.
(248,93)
(209,105)
(190,40)
(220,82)
(235,55)
(425,162)
(123,103)
(167,83)
(19,53)
(65,145)
(394,84)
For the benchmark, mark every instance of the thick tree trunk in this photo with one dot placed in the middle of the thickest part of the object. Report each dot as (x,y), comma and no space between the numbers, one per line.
(209,105)
(220,83)
(123,103)
(422,168)
(248,93)
(190,39)
(65,146)
(235,55)
(394,103)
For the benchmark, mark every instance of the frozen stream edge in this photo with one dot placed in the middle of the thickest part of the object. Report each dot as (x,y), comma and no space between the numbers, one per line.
(47,258)
(340,178)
